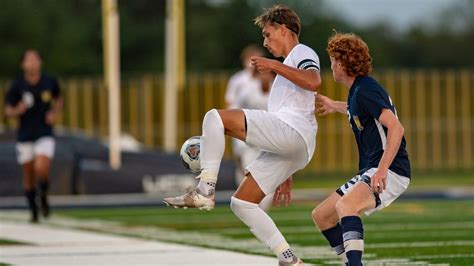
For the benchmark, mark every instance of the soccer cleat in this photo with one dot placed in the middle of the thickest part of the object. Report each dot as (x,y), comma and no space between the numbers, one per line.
(191,199)
(297,262)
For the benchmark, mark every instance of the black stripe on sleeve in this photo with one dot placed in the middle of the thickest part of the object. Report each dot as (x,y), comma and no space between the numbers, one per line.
(308,63)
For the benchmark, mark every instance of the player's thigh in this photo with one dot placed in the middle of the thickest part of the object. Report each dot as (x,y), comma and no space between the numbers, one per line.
(357,200)
(45,147)
(269,133)
(249,190)
(325,215)
(25,152)
(269,170)
(234,122)
(42,165)
(44,152)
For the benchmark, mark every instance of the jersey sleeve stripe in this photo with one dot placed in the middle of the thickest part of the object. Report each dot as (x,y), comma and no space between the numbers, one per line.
(308,63)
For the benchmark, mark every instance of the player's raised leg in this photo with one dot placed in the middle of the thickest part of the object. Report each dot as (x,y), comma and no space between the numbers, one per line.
(215,126)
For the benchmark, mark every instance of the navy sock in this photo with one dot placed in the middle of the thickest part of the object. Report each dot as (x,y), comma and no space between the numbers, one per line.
(31,200)
(334,237)
(44,187)
(353,235)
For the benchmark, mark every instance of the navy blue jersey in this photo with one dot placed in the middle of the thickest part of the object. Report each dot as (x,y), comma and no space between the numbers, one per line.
(38,98)
(367,98)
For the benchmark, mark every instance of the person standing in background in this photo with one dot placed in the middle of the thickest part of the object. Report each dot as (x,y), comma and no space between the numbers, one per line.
(240,85)
(35,99)
(255,99)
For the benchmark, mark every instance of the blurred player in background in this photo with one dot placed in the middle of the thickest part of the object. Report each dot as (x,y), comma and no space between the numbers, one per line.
(35,99)
(244,79)
(286,133)
(242,82)
(384,167)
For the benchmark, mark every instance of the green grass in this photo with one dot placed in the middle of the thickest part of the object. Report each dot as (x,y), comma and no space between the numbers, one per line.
(6,242)
(437,180)
(410,231)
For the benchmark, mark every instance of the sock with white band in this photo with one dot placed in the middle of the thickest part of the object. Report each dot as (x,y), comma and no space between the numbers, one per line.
(353,235)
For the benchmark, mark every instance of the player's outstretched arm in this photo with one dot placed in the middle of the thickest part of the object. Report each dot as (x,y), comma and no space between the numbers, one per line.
(308,79)
(395,132)
(325,105)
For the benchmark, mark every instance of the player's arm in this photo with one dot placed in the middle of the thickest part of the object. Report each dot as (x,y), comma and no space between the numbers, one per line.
(308,79)
(395,132)
(14,106)
(57,104)
(283,192)
(325,105)
(15,111)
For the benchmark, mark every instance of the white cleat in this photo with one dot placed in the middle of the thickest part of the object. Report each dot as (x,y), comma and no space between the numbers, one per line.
(191,199)
(298,262)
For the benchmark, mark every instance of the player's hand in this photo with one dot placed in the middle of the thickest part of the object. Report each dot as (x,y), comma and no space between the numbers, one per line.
(20,108)
(283,193)
(324,105)
(378,181)
(51,117)
(261,64)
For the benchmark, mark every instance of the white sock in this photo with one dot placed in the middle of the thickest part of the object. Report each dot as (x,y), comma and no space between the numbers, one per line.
(206,188)
(262,226)
(266,202)
(212,145)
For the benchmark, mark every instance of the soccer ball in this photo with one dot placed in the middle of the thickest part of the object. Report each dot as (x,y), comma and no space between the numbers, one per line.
(190,154)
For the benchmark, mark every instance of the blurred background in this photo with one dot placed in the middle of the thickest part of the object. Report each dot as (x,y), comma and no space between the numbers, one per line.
(422,54)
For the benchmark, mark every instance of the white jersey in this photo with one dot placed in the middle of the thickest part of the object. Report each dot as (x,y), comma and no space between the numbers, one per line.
(292,104)
(239,83)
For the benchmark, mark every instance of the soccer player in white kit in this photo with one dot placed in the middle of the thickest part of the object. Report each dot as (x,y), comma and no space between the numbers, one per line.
(286,133)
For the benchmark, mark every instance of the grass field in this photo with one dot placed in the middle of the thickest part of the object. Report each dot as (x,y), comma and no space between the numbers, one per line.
(406,233)
(438,180)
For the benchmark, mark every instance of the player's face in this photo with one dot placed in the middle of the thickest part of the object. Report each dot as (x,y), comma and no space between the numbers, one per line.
(336,68)
(272,39)
(31,62)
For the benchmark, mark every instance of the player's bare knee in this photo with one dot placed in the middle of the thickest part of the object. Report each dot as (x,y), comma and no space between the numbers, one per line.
(344,208)
(316,215)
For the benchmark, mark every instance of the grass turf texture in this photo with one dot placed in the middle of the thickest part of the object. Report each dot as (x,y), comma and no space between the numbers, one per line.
(439,180)
(408,232)
(6,242)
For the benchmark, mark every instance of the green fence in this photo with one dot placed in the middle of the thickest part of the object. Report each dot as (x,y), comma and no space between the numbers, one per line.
(434,106)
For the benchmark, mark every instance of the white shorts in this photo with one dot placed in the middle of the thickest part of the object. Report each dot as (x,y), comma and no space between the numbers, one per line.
(283,149)
(396,185)
(28,150)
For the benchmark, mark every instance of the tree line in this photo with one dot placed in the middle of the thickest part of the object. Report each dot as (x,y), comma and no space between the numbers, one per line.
(69,35)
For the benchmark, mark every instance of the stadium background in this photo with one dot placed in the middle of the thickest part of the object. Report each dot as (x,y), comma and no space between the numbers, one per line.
(427,67)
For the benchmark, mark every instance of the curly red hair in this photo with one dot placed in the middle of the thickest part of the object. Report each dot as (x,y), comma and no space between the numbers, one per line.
(352,52)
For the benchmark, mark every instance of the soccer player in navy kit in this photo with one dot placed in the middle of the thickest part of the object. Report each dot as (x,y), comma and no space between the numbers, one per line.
(384,167)
(35,99)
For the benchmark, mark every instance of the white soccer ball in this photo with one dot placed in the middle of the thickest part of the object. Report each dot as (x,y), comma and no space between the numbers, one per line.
(190,154)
